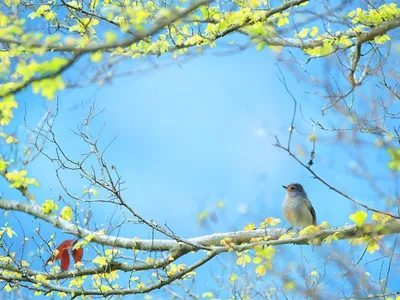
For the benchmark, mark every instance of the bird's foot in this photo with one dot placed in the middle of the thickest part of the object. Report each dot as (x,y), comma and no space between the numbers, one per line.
(290,228)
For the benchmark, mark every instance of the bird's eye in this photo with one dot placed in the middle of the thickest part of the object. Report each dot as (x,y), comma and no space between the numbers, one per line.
(292,188)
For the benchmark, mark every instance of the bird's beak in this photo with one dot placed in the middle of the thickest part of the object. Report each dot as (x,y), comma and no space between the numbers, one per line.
(285,187)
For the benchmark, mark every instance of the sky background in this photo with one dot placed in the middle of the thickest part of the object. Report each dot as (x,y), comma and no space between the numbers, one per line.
(189,136)
(193,135)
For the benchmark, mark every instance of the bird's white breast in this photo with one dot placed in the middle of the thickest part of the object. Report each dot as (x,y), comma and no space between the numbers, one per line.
(296,212)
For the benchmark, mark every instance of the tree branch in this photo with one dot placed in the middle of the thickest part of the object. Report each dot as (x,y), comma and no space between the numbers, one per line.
(177,15)
(305,43)
(213,240)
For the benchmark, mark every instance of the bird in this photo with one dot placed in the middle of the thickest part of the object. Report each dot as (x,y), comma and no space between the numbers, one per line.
(296,207)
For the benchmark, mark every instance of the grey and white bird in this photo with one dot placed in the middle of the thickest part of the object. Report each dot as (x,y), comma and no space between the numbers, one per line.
(296,207)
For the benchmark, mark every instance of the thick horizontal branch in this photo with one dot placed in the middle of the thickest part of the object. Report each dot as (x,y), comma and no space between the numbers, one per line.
(176,15)
(45,286)
(111,266)
(70,228)
(302,43)
(306,43)
(138,36)
(54,74)
(245,238)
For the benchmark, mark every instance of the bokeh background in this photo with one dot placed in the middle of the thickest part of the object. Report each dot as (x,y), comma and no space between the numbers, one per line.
(194,145)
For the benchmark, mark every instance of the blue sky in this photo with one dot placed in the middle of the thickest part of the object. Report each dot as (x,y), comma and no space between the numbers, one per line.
(193,135)
(189,136)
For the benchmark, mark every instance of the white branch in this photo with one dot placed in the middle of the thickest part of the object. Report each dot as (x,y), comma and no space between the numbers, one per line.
(243,239)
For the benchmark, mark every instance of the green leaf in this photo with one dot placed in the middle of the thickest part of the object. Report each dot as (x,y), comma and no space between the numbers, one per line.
(359,217)
(314,31)
(303,33)
(93,4)
(261,46)
(261,270)
(382,39)
(257,260)
(345,41)
(372,246)
(66,213)
(75,4)
(96,56)
(394,164)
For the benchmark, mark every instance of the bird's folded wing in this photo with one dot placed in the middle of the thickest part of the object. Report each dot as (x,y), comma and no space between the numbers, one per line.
(311,209)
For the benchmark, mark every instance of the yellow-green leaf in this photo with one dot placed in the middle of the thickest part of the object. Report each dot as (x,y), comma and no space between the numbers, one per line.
(96,57)
(303,33)
(314,31)
(261,270)
(66,213)
(359,217)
